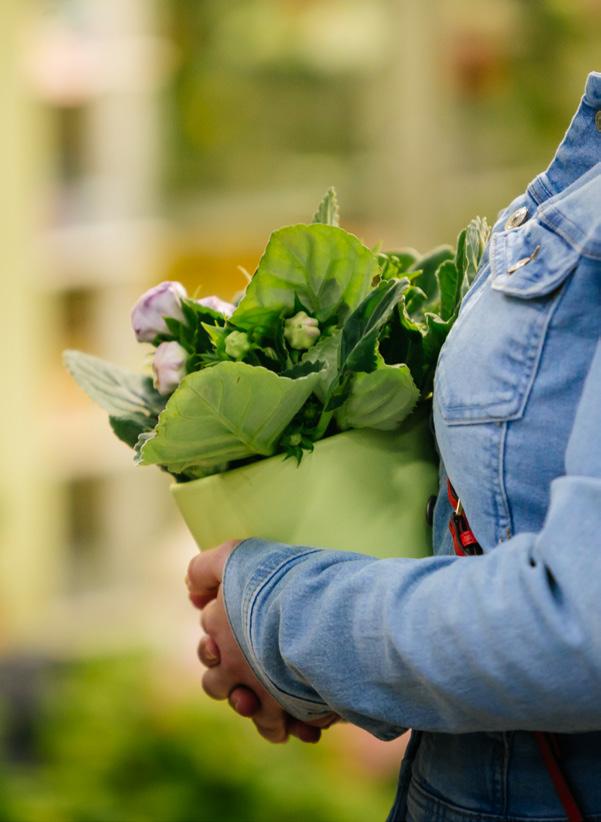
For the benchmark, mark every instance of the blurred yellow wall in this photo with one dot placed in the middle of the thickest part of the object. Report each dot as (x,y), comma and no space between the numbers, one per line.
(26,517)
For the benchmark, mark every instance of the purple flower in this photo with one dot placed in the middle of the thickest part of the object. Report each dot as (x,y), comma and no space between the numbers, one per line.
(227,309)
(169,366)
(147,316)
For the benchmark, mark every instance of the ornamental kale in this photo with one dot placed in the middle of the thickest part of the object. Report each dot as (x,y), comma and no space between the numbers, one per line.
(328,336)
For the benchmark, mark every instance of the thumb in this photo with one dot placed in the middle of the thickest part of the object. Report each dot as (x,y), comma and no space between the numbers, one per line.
(205,573)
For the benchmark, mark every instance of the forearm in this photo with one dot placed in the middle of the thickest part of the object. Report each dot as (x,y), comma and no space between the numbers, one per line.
(508,640)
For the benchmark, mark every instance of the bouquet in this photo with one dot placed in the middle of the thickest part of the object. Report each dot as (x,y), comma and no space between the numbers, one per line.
(328,337)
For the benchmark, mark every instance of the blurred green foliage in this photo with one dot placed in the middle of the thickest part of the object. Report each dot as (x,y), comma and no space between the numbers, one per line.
(249,93)
(266,92)
(112,745)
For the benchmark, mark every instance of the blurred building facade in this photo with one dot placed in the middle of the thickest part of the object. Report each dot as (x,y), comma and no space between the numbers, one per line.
(150,140)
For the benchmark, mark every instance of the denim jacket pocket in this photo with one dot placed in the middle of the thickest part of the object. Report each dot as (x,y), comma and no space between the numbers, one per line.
(489,361)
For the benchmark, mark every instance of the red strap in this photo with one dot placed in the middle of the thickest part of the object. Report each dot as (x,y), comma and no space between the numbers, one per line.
(546,742)
(464,539)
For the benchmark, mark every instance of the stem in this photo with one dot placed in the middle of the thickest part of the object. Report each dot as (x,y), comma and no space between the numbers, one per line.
(322,424)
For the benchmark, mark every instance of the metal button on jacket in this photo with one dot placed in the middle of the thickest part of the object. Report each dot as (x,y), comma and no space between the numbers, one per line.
(524,261)
(517,218)
(598,120)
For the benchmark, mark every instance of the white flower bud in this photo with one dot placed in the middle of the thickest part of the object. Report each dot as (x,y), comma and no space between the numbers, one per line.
(169,366)
(237,345)
(301,331)
(147,316)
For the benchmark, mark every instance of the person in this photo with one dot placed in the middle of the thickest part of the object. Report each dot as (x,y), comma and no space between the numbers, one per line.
(494,660)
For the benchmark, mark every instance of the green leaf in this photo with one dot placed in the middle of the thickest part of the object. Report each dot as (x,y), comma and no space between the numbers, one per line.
(415,299)
(121,392)
(128,429)
(228,412)
(428,264)
(301,369)
(380,400)
(216,334)
(360,333)
(470,248)
(323,268)
(449,286)
(328,212)
(359,342)
(326,351)
(395,263)
(435,334)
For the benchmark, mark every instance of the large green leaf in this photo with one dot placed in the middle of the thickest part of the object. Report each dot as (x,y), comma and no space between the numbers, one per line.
(228,412)
(381,399)
(325,269)
(121,392)
(328,212)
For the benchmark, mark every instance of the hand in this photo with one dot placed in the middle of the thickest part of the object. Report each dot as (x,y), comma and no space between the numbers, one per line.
(229,676)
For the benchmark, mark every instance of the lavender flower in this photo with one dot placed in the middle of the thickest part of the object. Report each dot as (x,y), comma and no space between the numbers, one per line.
(147,316)
(227,309)
(169,366)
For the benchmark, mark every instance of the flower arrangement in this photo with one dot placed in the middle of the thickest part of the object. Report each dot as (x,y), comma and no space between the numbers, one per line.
(329,335)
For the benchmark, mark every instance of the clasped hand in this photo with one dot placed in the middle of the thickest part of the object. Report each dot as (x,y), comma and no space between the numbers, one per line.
(228,675)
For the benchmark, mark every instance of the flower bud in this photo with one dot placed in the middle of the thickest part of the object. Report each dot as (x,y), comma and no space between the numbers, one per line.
(301,331)
(227,309)
(237,345)
(169,366)
(147,316)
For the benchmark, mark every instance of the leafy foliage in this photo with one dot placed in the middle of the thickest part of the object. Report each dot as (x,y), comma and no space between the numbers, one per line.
(377,322)
(358,343)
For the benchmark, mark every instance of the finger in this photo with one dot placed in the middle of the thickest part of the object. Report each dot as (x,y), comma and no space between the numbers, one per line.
(302,731)
(199,601)
(214,684)
(275,732)
(208,652)
(325,722)
(209,618)
(244,701)
(205,571)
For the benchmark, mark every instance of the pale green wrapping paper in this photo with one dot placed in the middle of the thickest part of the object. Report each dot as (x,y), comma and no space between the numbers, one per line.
(362,491)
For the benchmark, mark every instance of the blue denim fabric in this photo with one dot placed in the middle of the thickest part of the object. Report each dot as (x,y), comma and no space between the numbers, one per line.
(473,652)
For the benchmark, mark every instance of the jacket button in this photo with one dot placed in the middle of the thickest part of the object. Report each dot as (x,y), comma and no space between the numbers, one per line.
(430,510)
(517,218)
(524,261)
(598,120)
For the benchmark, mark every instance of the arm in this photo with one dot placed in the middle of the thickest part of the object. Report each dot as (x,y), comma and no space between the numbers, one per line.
(508,640)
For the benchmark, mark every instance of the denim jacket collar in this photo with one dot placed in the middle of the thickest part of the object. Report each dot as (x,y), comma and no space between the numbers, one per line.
(579,150)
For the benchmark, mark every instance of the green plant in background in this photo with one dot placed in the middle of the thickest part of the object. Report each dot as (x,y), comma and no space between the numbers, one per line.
(111,746)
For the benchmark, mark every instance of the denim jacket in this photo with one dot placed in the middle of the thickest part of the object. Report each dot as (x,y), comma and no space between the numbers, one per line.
(474,652)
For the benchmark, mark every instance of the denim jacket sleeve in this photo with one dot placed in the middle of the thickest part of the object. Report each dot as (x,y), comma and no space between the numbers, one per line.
(508,640)
(432,644)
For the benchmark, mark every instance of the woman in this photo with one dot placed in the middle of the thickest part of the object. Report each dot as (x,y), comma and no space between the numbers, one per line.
(493,659)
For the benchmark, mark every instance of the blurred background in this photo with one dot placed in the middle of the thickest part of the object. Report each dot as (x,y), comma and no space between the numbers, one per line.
(144,140)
